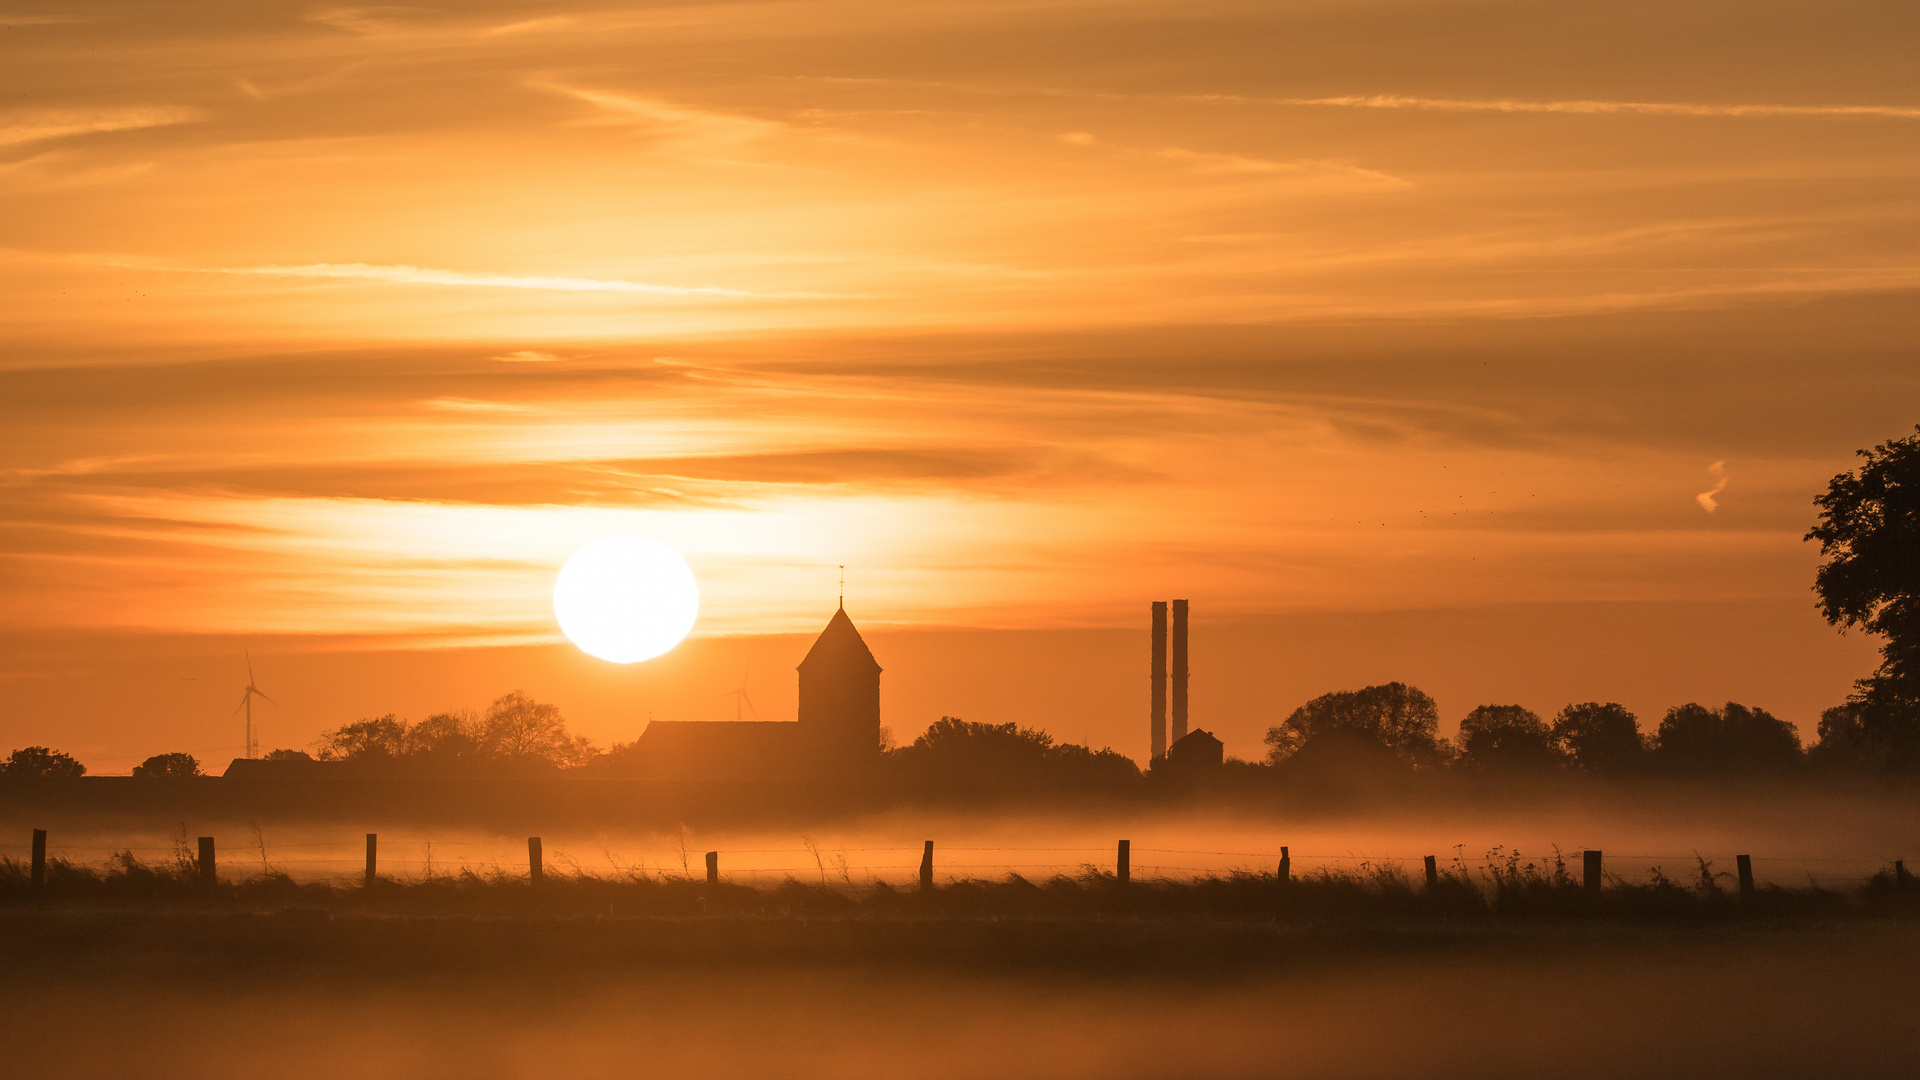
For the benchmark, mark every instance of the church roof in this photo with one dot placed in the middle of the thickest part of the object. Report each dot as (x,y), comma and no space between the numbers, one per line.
(840,646)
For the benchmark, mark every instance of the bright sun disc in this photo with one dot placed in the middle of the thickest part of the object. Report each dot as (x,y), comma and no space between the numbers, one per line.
(626,599)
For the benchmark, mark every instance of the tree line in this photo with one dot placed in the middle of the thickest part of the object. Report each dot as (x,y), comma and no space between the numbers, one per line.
(1868,529)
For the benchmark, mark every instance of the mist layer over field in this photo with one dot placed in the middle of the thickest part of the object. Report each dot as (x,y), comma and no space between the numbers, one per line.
(1795,834)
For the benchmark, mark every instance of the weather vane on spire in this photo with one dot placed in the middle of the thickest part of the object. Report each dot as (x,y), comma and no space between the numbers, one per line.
(843,586)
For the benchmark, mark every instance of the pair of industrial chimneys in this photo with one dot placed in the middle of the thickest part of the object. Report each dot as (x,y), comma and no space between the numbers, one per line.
(1160,741)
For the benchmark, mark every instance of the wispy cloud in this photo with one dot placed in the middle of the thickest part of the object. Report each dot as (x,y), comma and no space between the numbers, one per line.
(686,127)
(417,275)
(1707,499)
(1204,161)
(19,126)
(1509,105)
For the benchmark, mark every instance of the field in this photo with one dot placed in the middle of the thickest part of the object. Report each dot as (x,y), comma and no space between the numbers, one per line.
(817,954)
(231,991)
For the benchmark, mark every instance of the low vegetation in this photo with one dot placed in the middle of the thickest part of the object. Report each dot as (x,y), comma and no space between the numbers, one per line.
(1502,885)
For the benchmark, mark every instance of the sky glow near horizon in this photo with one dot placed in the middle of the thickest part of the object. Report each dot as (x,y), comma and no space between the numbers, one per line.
(357,321)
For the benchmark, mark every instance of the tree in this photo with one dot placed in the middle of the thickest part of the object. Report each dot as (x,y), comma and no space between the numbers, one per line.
(1601,739)
(174,766)
(38,761)
(287,755)
(1869,534)
(518,728)
(377,739)
(1396,716)
(1506,737)
(445,735)
(1843,744)
(1698,741)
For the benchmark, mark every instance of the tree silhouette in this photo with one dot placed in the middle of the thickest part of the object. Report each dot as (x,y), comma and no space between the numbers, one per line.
(1697,741)
(1395,716)
(174,766)
(1601,739)
(952,749)
(1506,737)
(38,761)
(518,728)
(380,738)
(1869,533)
(1844,745)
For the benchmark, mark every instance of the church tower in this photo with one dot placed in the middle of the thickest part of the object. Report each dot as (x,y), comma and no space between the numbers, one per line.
(840,696)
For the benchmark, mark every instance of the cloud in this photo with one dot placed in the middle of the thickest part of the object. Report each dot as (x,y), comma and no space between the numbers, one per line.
(417,275)
(1077,138)
(685,128)
(19,126)
(1706,499)
(1204,161)
(527,356)
(1650,108)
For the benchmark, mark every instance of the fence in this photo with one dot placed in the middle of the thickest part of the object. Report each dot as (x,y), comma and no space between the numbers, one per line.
(422,858)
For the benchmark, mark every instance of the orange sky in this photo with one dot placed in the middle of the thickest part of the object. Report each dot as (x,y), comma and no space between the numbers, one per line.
(348,325)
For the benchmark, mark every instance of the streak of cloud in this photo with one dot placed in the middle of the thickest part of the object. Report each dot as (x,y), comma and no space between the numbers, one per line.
(1707,499)
(416,275)
(20,126)
(1582,107)
(1202,161)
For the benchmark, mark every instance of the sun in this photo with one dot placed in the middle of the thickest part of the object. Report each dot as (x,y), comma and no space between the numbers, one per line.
(626,599)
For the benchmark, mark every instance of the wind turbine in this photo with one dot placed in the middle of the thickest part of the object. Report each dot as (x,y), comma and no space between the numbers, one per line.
(246,702)
(740,696)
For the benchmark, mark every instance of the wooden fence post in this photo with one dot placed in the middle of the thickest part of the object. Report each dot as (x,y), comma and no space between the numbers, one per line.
(39,873)
(1744,863)
(207,873)
(373,858)
(1123,867)
(713,868)
(1433,874)
(1285,873)
(534,870)
(1590,872)
(926,868)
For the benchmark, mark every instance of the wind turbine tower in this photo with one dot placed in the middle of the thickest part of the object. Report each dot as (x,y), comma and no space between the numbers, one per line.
(246,703)
(740,697)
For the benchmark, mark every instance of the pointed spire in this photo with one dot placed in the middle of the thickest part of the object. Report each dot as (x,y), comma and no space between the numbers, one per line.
(840,645)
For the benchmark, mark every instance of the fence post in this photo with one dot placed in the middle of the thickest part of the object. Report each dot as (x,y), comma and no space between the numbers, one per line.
(1285,873)
(1590,872)
(373,858)
(39,877)
(1902,880)
(1744,863)
(1123,867)
(207,874)
(534,869)
(926,868)
(1433,874)
(713,868)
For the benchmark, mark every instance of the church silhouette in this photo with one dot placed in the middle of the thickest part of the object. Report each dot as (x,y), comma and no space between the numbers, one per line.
(837,734)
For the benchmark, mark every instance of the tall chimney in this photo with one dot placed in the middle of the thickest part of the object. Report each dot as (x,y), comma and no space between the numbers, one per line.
(1179,670)
(1159,727)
